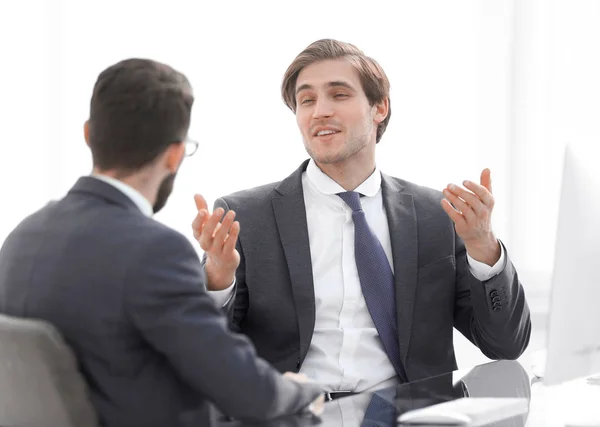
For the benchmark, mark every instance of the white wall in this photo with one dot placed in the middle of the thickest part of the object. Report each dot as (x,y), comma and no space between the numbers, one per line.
(24,107)
(501,84)
(235,57)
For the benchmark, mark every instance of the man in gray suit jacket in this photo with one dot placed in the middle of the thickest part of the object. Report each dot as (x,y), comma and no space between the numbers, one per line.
(355,277)
(128,293)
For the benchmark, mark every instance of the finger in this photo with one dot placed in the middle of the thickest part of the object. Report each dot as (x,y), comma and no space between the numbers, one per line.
(208,231)
(198,223)
(200,202)
(234,232)
(453,213)
(461,206)
(472,200)
(222,232)
(301,378)
(486,179)
(217,228)
(481,192)
(318,405)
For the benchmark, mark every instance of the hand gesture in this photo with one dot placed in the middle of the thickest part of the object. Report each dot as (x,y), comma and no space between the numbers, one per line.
(471,212)
(218,239)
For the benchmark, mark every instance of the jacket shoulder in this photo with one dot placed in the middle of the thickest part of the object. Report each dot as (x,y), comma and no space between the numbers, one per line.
(252,197)
(419,192)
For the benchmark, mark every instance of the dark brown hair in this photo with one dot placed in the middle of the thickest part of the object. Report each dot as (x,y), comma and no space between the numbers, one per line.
(138,108)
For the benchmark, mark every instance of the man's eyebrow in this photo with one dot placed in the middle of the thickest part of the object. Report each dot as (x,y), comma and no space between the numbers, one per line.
(303,87)
(336,83)
(340,83)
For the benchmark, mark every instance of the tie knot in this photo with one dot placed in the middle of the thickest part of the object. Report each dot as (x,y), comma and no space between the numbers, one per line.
(352,199)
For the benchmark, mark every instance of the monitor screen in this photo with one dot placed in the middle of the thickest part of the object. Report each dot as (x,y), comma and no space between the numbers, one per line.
(574,317)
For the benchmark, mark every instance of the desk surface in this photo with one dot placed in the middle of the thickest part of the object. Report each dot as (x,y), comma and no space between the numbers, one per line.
(576,403)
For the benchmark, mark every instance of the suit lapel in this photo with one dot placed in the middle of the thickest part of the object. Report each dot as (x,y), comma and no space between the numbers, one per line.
(402,222)
(290,217)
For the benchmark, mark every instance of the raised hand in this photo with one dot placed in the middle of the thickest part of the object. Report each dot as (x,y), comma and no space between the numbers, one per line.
(471,212)
(218,239)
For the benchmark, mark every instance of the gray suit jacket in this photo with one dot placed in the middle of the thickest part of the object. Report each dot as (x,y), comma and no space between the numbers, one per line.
(275,306)
(127,294)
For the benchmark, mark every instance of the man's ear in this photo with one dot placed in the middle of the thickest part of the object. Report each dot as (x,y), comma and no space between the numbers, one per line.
(86,132)
(381,110)
(174,156)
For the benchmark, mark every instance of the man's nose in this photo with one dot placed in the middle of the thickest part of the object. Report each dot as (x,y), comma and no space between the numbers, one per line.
(323,108)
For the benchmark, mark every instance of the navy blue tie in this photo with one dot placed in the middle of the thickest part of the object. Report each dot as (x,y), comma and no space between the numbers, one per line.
(381,412)
(376,280)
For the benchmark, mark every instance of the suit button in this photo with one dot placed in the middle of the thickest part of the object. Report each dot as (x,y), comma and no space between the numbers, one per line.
(496,299)
(497,307)
(494,294)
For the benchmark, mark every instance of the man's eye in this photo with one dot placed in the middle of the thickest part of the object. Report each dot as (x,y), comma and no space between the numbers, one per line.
(306,101)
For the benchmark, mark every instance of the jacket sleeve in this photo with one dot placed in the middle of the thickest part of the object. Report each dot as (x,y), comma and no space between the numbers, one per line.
(236,308)
(168,303)
(494,314)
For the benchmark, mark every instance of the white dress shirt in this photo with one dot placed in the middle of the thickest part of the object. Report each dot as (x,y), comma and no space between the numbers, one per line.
(136,197)
(346,352)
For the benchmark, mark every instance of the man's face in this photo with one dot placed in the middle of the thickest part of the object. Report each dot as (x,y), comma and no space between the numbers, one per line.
(333,112)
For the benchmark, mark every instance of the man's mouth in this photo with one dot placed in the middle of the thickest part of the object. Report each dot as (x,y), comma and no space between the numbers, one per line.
(325,132)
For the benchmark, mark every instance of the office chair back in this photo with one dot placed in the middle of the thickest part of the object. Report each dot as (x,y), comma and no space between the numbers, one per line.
(40,384)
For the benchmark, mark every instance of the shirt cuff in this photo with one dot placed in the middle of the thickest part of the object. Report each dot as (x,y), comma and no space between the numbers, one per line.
(482,271)
(222,297)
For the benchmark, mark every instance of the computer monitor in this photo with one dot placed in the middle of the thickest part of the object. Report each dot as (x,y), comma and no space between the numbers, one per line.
(573,346)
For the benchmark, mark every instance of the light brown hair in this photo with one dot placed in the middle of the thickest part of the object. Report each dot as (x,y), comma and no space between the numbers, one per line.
(374,82)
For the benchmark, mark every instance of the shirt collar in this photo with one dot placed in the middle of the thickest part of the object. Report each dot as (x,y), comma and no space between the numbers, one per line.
(324,184)
(136,197)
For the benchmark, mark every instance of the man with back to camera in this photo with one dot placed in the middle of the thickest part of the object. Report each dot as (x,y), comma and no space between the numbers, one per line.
(128,293)
(354,277)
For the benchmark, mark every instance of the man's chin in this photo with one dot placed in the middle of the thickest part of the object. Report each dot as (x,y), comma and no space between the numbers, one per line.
(328,158)
(323,157)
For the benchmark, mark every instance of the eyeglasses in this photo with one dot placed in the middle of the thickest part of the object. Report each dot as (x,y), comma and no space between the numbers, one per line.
(191,147)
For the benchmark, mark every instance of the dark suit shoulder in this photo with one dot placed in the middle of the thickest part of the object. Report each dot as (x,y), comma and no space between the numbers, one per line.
(163,242)
(420,192)
(78,221)
(257,198)
(427,200)
(158,232)
(252,197)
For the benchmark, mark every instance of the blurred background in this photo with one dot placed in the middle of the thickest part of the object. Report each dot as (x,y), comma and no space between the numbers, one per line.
(503,84)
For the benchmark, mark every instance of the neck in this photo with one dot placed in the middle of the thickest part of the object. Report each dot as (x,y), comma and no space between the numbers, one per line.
(140,181)
(353,171)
